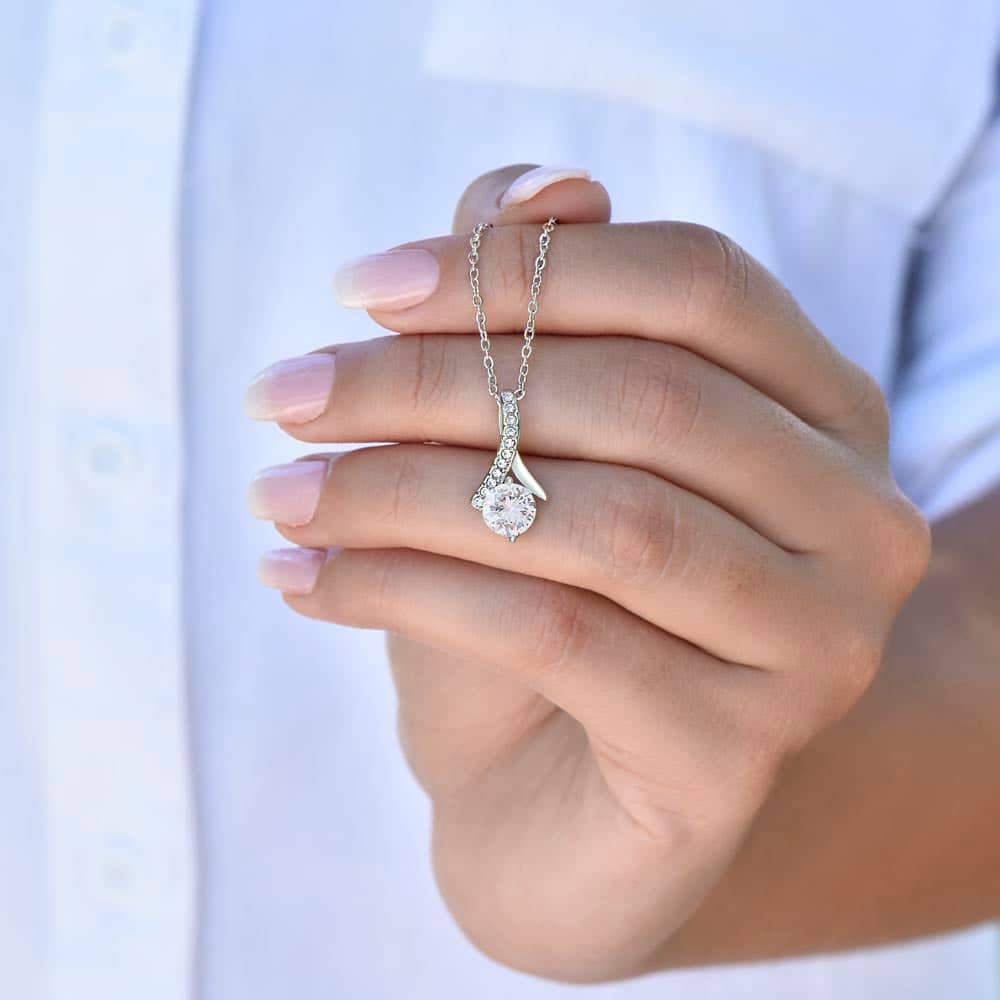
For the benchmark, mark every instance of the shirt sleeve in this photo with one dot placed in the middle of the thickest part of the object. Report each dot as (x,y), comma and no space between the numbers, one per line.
(945,403)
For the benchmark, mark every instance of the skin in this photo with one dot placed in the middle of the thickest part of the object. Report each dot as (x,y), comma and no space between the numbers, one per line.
(885,827)
(653,718)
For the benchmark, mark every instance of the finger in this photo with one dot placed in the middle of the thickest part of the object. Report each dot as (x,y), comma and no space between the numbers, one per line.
(625,681)
(610,399)
(526,193)
(667,555)
(666,281)
(456,715)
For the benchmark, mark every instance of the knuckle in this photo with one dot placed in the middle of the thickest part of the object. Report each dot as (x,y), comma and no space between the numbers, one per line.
(764,720)
(838,672)
(890,542)
(872,406)
(718,275)
(742,574)
(513,263)
(405,487)
(859,656)
(382,601)
(552,619)
(636,543)
(731,276)
(345,602)
(866,409)
(656,395)
(903,543)
(430,373)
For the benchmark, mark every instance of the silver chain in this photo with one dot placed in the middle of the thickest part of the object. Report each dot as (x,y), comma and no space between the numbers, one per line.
(529,327)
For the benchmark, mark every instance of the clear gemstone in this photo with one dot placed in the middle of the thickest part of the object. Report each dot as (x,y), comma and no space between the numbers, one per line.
(509,509)
(510,419)
(507,396)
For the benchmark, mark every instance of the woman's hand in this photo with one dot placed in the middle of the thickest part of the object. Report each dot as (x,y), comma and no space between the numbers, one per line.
(597,711)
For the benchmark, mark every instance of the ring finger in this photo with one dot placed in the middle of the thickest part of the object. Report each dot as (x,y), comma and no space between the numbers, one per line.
(663,553)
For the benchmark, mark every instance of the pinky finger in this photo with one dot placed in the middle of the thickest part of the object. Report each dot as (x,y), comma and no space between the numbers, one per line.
(627,682)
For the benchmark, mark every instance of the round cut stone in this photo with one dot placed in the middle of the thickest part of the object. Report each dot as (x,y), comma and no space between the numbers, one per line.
(509,509)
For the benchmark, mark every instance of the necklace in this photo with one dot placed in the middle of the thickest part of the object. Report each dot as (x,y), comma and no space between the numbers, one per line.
(508,507)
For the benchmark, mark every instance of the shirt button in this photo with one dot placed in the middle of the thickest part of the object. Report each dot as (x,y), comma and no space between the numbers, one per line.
(121,34)
(107,459)
(124,873)
(113,869)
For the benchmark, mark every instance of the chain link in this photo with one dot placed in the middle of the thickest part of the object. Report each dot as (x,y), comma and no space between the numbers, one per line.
(529,327)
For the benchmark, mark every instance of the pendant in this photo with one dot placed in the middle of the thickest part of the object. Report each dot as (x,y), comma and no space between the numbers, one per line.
(508,508)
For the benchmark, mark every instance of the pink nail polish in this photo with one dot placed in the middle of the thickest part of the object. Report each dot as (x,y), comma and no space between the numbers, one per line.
(525,187)
(396,279)
(294,391)
(292,571)
(288,494)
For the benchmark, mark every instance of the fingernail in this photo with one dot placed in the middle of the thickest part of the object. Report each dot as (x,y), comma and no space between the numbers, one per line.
(288,494)
(293,391)
(526,186)
(396,279)
(292,571)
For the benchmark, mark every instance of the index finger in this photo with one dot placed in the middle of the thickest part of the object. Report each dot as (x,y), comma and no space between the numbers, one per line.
(674,282)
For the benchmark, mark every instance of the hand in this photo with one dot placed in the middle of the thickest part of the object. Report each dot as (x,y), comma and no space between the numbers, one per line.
(597,711)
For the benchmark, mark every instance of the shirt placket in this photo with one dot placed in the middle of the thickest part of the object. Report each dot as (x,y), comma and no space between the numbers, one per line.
(105,337)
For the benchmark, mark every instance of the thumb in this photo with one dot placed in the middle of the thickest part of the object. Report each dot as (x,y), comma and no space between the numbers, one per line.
(525,193)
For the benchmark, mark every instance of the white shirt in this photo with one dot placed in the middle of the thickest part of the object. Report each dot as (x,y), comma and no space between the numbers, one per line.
(201,793)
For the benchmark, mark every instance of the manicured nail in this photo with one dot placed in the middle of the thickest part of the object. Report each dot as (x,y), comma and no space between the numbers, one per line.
(526,186)
(396,279)
(293,391)
(292,571)
(288,494)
